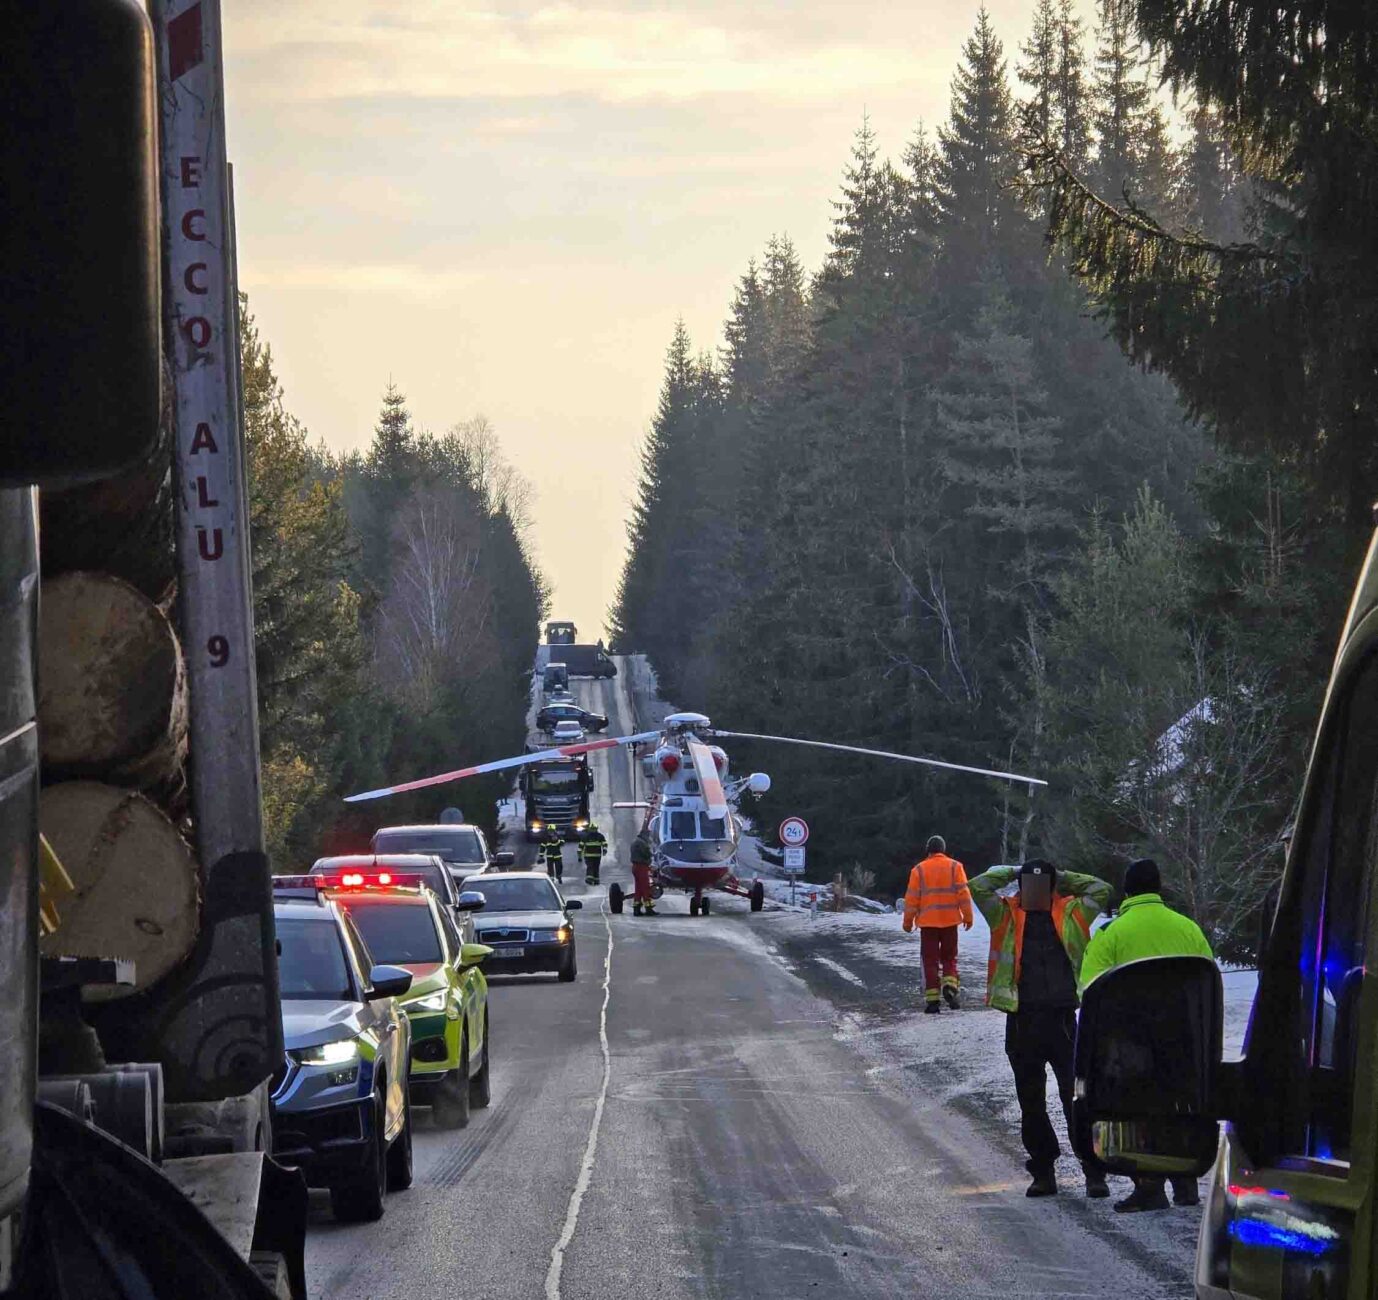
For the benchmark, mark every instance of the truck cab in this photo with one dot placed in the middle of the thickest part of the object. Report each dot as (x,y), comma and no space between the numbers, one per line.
(556,794)
(1290,1213)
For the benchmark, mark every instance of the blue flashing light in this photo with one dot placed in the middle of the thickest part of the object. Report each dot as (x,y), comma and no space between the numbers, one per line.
(1270,1236)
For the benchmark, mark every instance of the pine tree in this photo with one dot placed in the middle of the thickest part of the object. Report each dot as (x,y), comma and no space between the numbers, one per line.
(1121,99)
(976,160)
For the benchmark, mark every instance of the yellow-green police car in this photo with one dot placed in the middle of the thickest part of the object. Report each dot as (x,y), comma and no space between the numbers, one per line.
(447,1003)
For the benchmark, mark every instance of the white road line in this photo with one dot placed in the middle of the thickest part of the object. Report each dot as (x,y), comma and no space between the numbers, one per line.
(838,968)
(581,1185)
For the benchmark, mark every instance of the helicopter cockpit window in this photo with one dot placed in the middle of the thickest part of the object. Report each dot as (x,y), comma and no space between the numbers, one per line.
(712,828)
(682,826)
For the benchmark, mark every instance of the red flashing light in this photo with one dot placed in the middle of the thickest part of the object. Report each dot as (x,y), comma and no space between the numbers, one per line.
(351,878)
(669,763)
(385,877)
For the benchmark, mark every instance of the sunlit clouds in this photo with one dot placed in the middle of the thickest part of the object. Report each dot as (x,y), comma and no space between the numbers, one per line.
(504,207)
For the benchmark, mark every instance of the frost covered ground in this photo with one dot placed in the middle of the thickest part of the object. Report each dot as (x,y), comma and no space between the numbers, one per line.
(869,969)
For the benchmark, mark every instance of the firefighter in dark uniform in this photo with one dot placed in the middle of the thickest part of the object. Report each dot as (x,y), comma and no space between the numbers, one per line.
(553,853)
(592,848)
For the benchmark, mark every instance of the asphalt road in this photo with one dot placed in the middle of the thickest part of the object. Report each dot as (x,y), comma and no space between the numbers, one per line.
(729,1143)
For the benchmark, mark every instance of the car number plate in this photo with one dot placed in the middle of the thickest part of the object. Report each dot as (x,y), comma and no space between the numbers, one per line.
(509,952)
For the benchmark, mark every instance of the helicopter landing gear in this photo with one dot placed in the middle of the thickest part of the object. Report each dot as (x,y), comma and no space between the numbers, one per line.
(703,905)
(757,896)
(698,905)
(615,897)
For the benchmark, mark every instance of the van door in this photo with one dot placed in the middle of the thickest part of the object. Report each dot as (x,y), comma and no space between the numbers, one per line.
(1290,1214)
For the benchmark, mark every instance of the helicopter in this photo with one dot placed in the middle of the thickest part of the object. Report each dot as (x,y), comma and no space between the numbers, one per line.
(689,822)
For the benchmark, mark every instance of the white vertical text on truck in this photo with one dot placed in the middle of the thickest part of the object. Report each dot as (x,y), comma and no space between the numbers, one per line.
(140,1021)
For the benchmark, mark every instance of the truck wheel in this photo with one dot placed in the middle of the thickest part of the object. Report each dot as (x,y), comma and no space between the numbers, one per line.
(758,896)
(615,897)
(361,1199)
(450,1103)
(399,1153)
(480,1086)
(569,971)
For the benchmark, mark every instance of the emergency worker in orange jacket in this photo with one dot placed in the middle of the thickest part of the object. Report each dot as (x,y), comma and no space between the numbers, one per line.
(937,901)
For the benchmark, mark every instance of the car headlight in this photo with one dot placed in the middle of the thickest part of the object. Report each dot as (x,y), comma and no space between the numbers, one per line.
(545,936)
(340,1052)
(565,933)
(431,1002)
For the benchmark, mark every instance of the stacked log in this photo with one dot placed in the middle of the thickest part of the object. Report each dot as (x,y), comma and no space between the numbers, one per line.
(137,893)
(113,726)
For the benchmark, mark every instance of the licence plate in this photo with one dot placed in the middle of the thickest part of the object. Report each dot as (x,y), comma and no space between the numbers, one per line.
(509,952)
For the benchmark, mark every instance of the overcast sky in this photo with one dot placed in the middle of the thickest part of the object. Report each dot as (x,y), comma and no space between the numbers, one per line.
(504,208)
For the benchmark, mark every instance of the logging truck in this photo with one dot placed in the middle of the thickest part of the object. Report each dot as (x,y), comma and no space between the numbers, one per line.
(139,1013)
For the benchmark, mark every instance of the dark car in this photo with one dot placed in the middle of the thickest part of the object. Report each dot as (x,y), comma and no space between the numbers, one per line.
(341,1103)
(462,848)
(525,921)
(550,714)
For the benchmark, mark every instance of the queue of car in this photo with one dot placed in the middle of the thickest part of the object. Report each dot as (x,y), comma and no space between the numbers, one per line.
(381,961)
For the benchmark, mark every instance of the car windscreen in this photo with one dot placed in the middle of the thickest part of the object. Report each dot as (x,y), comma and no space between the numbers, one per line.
(457,845)
(516,895)
(311,961)
(397,933)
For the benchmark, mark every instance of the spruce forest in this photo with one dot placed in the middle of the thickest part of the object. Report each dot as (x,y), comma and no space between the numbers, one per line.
(396,611)
(921,499)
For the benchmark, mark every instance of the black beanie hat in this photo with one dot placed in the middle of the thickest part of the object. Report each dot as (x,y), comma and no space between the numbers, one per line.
(1040,867)
(936,844)
(1142,877)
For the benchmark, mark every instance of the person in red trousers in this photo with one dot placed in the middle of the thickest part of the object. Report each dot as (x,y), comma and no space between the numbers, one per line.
(937,901)
(643,901)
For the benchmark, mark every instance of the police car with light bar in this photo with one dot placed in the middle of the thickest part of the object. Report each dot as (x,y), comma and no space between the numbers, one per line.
(341,1101)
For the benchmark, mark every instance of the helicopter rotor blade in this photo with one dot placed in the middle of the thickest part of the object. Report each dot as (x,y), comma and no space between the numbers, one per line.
(710,783)
(883,753)
(501,764)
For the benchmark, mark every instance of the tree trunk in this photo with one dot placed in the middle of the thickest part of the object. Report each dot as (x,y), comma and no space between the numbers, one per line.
(113,700)
(137,887)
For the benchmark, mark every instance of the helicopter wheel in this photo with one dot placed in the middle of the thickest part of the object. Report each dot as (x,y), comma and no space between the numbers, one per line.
(703,905)
(758,896)
(615,897)
(694,906)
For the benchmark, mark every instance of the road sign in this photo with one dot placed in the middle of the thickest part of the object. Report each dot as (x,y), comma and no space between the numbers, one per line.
(794,858)
(794,832)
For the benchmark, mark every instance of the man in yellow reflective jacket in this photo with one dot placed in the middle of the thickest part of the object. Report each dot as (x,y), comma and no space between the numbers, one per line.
(1040,923)
(1145,927)
(937,901)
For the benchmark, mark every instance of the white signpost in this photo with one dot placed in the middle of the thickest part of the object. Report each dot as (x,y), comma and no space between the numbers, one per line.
(794,834)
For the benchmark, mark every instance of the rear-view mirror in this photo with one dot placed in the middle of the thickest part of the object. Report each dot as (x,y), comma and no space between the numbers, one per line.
(505,858)
(573,904)
(470,901)
(474,954)
(1148,1054)
(388,982)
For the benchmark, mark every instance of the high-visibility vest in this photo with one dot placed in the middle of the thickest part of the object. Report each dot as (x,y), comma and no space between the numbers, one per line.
(1078,901)
(937,894)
